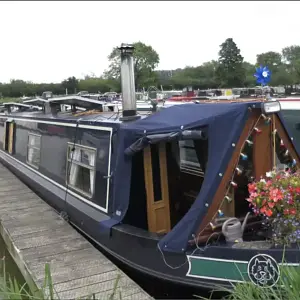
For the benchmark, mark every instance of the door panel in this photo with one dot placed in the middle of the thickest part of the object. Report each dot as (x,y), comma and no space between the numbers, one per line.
(156,180)
(11,131)
(9,136)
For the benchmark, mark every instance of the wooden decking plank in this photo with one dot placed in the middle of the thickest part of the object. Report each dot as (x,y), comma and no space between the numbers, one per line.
(16,209)
(25,196)
(74,255)
(15,202)
(103,286)
(29,229)
(13,187)
(67,275)
(34,221)
(13,193)
(58,265)
(24,217)
(136,296)
(38,235)
(86,281)
(47,238)
(59,248)
(74,270)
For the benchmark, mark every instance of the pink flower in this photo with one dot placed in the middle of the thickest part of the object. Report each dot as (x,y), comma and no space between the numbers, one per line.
(275,195)
(251,187)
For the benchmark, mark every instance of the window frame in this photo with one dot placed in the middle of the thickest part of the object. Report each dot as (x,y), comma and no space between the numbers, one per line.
(34,147)
(70,145)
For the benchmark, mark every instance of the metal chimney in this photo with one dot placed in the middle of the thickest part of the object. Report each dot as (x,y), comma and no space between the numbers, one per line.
(127,83)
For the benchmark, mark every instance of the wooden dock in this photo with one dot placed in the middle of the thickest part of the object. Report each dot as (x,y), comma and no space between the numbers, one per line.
(35,234)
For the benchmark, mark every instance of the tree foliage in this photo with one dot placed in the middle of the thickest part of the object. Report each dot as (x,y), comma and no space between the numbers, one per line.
(229,71)
(145,60)
(291,56)
(71,84)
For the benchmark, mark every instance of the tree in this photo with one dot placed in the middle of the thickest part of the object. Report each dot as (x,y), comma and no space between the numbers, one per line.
(274,62)
(249,71)
(270,59)
(71,84)
(282,76)
(145,58)
(291,56)
(230,71)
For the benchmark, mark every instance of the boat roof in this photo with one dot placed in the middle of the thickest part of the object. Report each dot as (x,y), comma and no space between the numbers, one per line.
(17,104)
(182,113)
(188,116)
(36,101)
(77,101)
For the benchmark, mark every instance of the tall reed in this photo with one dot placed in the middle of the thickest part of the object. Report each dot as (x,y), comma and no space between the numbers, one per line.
(10,289)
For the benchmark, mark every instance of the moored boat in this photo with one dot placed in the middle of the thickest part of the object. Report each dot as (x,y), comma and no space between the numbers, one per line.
(164,193)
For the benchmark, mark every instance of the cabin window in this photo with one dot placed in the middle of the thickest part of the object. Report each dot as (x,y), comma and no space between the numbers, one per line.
(33,149)
(283,157)
(81,168)
(189,162)
(186,168)
(292,123)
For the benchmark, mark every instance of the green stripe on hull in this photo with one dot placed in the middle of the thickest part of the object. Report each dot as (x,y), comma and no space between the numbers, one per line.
(218,269)
(234,271)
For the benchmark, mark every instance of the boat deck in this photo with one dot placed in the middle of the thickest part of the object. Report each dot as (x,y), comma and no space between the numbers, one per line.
(35,234)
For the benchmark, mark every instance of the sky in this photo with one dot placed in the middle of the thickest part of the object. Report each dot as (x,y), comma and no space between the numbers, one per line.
(50,41)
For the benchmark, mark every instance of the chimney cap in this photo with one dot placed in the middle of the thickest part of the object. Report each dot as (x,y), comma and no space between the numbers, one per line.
(126,48)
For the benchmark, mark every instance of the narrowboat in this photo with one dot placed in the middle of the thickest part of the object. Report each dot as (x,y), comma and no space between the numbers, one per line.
(157,190)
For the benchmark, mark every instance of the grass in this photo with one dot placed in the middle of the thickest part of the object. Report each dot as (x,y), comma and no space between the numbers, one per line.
(10,289)
(8,99)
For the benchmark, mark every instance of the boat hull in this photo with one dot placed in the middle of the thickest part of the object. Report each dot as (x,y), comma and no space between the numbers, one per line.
(213,267)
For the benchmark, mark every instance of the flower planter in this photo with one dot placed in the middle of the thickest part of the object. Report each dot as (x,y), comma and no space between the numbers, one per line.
(277,200)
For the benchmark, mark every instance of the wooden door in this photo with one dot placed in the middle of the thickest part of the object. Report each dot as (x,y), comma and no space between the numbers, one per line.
(156,181)
(8,136)
(11,137)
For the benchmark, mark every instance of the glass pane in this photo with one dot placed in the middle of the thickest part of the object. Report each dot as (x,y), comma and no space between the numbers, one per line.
(33,156)
(34,140)
(82,155)
(292,122)
(188,154)
(81,178)
(88,157)
(156,173)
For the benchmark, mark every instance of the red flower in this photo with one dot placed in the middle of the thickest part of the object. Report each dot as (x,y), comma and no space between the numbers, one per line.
(268,183)
(293,211)
(252,187)
(271,204)
(275,195)
(266,211)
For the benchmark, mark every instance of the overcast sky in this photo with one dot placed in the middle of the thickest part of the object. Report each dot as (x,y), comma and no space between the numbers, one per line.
(50,41)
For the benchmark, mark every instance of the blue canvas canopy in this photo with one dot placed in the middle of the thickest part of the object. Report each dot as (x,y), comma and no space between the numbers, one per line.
(224,122)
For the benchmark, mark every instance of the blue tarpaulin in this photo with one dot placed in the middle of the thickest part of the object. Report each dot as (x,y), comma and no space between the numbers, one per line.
(225,122)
